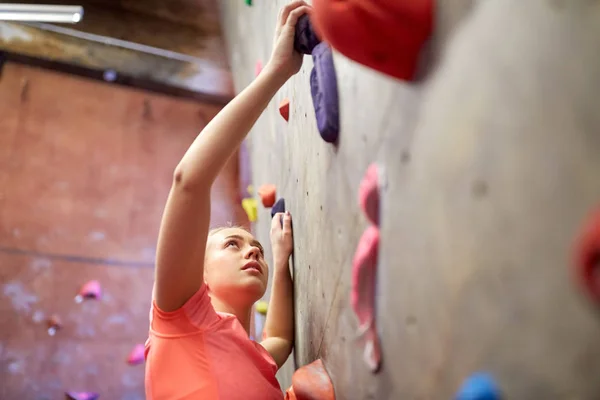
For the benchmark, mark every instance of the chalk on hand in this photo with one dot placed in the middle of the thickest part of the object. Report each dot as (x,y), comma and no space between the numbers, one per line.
(267,194)
(305,38)
(368,194)
(54,324)
(90,290)
(136,356)
(479,386)
(324,91)
(262,307)
(249,205)
(284,109)
(82,395)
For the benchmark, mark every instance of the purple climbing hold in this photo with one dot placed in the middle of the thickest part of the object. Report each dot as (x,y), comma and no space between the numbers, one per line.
(278,207)
(82,395)
(305,38)
(323,87)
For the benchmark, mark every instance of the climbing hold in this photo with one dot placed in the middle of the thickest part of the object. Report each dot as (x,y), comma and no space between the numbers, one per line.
(284,109)
(311,382)
(381,34)
(324,91)
(278,207)
(305,38)
(587,257)
(368,194)
(54,324)
(249,205)
(136,356)
(262,307)
(250,190)
(248,2)
(479,386)
(90,290)
(362,295)
(258,68)
(82,395)
(267,194)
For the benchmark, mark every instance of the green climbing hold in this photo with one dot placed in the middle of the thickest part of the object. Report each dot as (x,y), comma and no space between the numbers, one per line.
(249,2)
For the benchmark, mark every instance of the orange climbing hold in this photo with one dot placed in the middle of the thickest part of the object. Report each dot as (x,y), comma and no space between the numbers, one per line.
(267,194)
(311,382)
(284,109)
(381,34)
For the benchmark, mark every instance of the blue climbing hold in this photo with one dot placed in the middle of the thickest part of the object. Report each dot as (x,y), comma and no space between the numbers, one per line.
(479,386)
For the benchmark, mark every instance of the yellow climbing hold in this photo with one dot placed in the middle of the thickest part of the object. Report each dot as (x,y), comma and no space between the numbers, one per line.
(250,190)
(262,307)
(251,207)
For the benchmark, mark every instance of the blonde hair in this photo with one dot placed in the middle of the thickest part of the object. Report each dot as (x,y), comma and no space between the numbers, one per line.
(230,226)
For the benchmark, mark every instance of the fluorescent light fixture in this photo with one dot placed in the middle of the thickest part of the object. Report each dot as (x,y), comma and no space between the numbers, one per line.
(41,13)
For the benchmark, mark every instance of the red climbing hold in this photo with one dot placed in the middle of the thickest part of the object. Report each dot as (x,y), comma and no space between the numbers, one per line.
(267,194)
(82,395)
(587,257)
(311,382)
(368,194)
(91,290)
(362,296)
(381,34)
(137,355)
(284,109)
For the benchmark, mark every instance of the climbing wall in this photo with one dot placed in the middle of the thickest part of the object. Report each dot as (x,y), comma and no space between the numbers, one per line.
(490,160)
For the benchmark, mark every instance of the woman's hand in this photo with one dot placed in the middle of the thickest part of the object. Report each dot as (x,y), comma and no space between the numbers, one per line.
(285,61)
(282,240)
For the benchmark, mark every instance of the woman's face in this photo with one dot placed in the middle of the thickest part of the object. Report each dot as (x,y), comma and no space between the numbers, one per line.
(234,267)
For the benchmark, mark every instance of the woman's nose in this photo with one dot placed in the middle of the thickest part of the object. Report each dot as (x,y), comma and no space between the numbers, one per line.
(253,252)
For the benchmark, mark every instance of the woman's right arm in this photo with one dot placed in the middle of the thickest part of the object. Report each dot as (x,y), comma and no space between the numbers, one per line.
(184,227)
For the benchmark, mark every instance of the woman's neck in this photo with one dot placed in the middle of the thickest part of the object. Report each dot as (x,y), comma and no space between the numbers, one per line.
(243,313)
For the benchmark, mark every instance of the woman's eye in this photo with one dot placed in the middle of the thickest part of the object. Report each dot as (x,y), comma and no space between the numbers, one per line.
(231,242)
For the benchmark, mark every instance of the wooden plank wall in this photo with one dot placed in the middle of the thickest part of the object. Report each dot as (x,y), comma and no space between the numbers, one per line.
(85,168)
(491,164)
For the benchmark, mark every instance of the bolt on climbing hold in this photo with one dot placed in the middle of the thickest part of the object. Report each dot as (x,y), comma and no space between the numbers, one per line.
(368,194)
(248,2)
(136,356)
(284,109)
(384,35)
(587,257)
(311,382)
(362,294)
(305,38)
(479,386)
(90,290)
(249,205)
(278,207)
(267,194)
(262,307)
(54,324)
(82,395)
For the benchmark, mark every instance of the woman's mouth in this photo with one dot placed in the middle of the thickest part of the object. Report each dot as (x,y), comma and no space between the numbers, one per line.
(253,267)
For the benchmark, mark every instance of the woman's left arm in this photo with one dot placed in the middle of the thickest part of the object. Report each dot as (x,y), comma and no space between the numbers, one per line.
(279,326)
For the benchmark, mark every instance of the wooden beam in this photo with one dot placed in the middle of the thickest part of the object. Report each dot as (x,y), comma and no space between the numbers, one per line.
(116,60)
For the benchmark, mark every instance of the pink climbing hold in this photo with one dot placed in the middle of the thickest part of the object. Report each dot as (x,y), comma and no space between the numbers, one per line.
(368,194)
(90,290)
(258,68)
(362,297)
(82,395)
(137,355)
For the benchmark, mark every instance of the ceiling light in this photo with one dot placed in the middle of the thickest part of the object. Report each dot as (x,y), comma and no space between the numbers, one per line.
(41,13)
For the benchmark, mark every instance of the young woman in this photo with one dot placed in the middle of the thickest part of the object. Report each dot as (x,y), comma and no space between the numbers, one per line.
(207,282)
